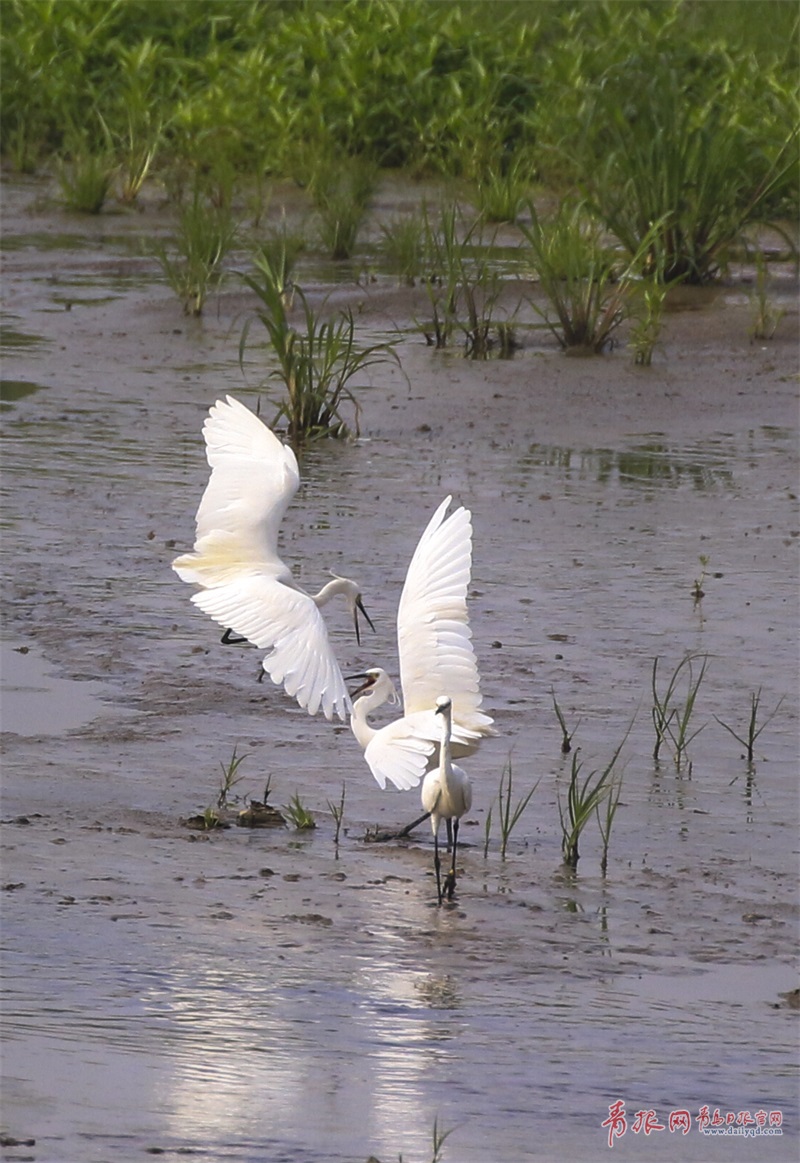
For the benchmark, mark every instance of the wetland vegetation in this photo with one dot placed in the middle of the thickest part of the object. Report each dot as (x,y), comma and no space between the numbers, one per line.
(626,147)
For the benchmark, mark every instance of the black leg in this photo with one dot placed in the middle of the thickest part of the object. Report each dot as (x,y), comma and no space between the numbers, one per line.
(382,837)
(228,639)
(450,880)
(449,824)
(437,866)
(410,827)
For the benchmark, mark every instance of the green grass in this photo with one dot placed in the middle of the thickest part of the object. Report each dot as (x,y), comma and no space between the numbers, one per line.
(463,285)
(341,191)
(298,815)
(672,714)
(698,593)
(766,316)
(606,817)
(586,289)
(748,740)
(85,179)
(585,796)
(276,255)
(230,777)
(316,361)
(403,245)
(470,91)
(192,263)
(708,151)
(509,810)
(646,310)
(503,187)
(566,735)
(337,811)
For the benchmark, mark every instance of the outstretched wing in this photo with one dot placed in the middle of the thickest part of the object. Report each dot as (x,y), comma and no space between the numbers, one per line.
(287,621)
(253,478)
(402,751)
(246,586)
(398,754)
(433,634)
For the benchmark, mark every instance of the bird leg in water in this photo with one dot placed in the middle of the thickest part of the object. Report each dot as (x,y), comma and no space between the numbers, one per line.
(450,879)
(382,837)
(438,867)
(228,639)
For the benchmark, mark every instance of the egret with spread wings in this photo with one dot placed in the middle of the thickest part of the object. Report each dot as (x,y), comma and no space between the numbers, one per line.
(436,656)
(246,587)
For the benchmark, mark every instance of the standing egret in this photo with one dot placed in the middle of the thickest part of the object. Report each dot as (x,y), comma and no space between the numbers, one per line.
(436,654)
(446,795)
(246,586)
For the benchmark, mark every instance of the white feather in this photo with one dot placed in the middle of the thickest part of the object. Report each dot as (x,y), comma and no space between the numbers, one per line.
(436,656)
(246,585)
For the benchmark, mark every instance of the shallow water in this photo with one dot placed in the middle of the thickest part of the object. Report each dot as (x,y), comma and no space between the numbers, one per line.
(261,995)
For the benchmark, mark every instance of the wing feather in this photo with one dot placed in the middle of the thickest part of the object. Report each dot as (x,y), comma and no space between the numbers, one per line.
(396,753)
(433,634)
(253,478)
(247,587)
(436,656)
(287,622)
(402,751)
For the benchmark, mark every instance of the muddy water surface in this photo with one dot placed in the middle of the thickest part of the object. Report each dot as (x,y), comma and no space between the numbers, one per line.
(264,996)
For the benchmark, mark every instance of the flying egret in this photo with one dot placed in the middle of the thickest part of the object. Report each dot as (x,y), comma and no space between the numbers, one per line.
(446,795)
(436,654)
(245,585)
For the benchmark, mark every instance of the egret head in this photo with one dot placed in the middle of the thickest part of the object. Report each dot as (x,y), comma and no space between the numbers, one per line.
(444,705)
(353,597)
(375,683)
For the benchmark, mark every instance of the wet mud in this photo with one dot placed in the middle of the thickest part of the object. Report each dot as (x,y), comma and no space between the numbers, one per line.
(267,994)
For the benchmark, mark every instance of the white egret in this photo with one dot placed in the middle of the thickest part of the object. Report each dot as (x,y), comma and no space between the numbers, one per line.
(245,585)
(446,795)
(436,654)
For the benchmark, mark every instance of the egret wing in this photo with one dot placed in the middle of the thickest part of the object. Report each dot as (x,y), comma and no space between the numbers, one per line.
(253,478)
(398,754)
(273,615)
(433,634)
(403,751)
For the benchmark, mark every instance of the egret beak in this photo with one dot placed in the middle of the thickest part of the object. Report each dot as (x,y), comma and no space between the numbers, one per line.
(368,681)
(358,606)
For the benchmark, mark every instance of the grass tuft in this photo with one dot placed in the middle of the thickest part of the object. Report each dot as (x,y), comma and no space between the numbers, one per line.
(671,718)
(586,291)
(297,813)
(337,811)
(85,179)
(316,361)
(748,741)
(193,263)
(341,194)
(230,777)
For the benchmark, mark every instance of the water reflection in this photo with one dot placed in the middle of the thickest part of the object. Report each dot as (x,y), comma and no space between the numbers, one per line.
(12,340)
(246,1036)
(35,702)
(11,391)
(647,464)
(258,1039)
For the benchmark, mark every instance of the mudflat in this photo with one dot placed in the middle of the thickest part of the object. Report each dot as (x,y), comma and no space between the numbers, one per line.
(269,994)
